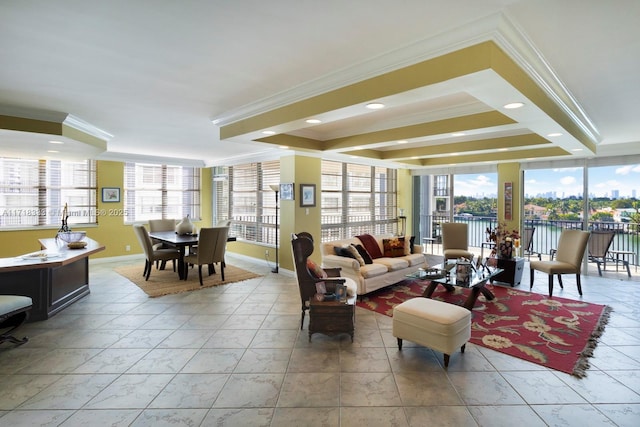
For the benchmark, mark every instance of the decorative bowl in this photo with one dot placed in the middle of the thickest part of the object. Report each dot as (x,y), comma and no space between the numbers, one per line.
(71,236)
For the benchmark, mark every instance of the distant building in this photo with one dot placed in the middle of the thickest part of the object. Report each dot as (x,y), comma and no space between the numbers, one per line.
(615,194)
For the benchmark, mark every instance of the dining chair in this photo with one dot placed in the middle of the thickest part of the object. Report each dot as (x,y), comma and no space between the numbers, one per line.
(212,244)
(161,225)
(152,255)
(568,258)
(455,241)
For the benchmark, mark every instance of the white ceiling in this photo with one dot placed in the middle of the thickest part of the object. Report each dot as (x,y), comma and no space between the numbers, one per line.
(152,75)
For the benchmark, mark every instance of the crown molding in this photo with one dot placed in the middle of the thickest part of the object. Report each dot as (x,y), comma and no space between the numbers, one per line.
(142,158)
(498,27)
(87,128)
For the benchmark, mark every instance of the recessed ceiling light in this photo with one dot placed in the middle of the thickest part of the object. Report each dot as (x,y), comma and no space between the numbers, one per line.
(313,121)
(268,132)
(52,151)
(402,141)
(458,134)
(358,147)
(415,157)
(354,157)
(56,142)
(455,154)
(284,147)
(576,149)
(503,149)
(514,105)
(554,134)
(375,105)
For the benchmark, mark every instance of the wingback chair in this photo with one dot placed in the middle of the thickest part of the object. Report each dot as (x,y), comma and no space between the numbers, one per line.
(212,245)
(455,241)
(302,248)
(152,255)
(568,258)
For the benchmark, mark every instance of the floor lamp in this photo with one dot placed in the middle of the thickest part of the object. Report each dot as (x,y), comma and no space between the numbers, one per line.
(276,188)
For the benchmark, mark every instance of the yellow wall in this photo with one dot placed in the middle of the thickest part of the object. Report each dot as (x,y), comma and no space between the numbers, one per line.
(111,230)
(405,197)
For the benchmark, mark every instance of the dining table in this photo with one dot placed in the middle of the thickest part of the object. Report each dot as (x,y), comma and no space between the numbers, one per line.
(180,241)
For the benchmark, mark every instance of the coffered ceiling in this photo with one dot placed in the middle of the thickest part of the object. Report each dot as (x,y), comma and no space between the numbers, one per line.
(201,82)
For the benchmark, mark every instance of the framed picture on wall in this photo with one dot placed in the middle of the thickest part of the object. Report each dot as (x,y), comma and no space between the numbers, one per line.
(286,192)
(307,195)
(110,194)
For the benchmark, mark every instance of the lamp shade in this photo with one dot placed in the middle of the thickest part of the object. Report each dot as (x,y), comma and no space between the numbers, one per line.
(275,187)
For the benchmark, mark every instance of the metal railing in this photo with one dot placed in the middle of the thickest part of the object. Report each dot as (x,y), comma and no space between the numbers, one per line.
(546,234)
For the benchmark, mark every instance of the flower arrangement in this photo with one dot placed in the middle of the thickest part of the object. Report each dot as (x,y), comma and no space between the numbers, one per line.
(504,240)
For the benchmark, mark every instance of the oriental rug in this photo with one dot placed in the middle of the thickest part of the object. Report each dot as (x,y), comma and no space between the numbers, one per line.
(558,333)
(166,282)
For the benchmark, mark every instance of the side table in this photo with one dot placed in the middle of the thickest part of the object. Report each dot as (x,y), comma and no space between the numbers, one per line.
(512,271)
(332,317)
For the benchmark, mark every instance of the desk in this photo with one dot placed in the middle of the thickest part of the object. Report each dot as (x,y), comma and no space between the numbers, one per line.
(623,260)
(53,284)
(180,241)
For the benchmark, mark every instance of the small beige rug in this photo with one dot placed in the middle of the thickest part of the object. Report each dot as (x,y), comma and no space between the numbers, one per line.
(166,282)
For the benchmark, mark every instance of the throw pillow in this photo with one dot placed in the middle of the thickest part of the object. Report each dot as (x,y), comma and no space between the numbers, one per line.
(371,245)
(408,245)
(343,251)
(363,253)
(315,270)
(355,254)
(412,242)
(393,247)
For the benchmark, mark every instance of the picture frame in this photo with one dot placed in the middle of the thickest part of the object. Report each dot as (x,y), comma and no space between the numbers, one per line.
(307,195)
(286,191)
(341,292)
(110,194)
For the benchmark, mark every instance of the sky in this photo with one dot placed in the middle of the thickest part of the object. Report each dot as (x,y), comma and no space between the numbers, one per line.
(565,182)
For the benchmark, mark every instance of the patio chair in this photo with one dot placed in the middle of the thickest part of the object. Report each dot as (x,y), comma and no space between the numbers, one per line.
(599,245)
(571,248)
(527,243)
(455,241)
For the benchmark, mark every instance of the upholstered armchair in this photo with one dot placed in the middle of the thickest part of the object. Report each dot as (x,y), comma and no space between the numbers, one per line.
(302,248)
(568,258)
(152,255)
(212,245)
(455,241)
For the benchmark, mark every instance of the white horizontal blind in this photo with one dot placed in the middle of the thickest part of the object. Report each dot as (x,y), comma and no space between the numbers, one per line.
(34,192)
(153,191)
(357,199)
(252,203)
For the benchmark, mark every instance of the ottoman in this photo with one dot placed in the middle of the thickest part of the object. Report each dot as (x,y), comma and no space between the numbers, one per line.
(435,324)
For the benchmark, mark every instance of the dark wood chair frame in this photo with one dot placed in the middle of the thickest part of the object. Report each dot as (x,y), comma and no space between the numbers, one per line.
(13,320)
(302,246)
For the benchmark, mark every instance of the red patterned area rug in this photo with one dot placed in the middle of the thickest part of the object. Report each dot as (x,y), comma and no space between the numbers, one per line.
(558,333)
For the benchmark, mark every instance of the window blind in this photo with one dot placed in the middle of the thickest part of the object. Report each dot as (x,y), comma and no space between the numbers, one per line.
(153,191)
(34,192)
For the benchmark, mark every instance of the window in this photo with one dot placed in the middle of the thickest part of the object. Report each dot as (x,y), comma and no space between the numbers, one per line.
(154,191)
(243,194)
(357,199)
(34,192)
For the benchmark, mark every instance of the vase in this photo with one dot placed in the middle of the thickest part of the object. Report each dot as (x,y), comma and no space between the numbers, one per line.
(185,226)
(505,249)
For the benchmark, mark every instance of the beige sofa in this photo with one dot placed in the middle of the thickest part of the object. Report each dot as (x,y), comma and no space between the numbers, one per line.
(384,271)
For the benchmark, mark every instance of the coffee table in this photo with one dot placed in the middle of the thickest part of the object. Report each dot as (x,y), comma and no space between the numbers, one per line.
(476,282)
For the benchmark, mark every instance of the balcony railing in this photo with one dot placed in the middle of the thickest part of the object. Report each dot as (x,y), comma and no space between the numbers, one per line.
(546,234)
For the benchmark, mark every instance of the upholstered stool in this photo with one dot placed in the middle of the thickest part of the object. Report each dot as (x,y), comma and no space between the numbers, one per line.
(435,324)
(14,310)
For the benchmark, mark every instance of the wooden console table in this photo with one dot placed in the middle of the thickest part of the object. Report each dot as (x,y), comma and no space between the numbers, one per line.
(332,317)
(53,284)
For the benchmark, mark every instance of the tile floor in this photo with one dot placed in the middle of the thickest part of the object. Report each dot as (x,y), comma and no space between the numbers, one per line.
(234,356)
